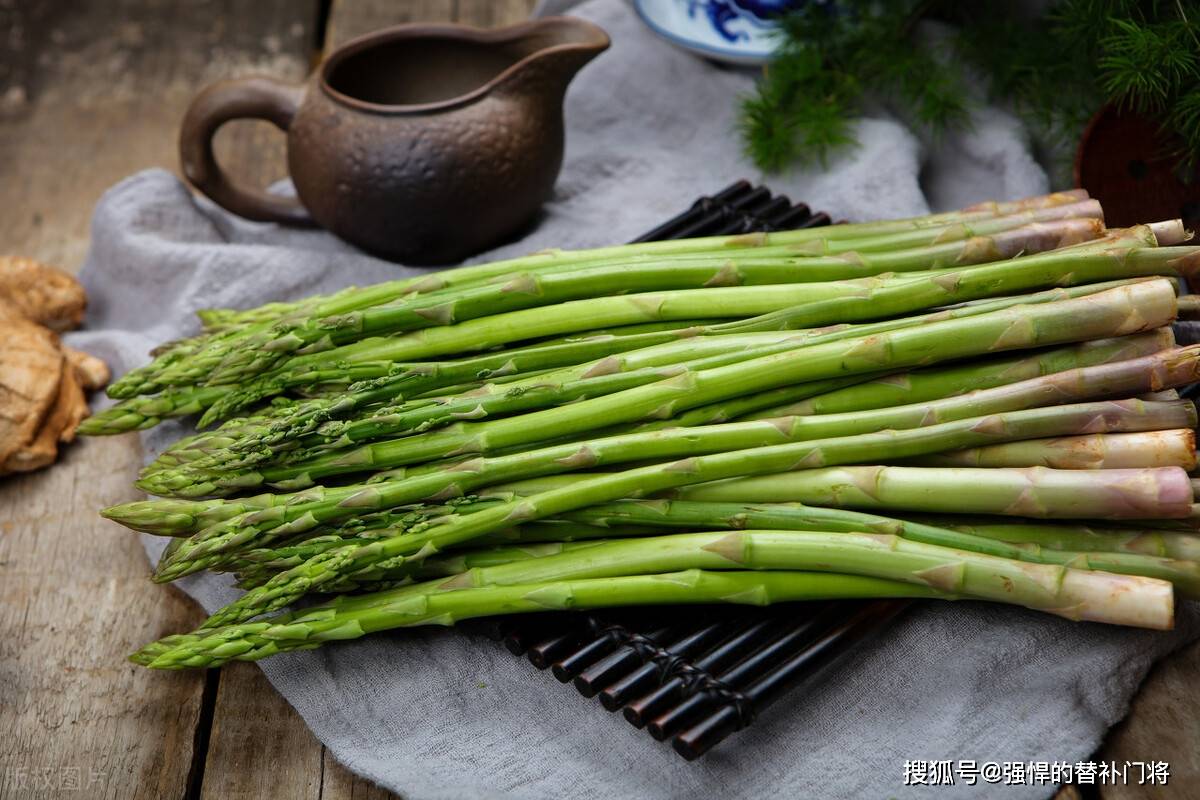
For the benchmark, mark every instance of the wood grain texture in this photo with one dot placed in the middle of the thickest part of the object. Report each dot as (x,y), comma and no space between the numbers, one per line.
(95,91)
(254,731)
(259,746)
(349,19)
(342,784)
(90,93)
(74,601)
(353,18)
(493,13)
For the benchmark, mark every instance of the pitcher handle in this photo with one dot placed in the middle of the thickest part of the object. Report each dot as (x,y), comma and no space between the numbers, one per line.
(245,98)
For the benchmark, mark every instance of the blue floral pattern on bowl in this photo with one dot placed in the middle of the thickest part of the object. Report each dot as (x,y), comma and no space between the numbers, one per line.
(734,31)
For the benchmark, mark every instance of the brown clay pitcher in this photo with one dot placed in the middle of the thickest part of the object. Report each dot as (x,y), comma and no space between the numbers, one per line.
(421,143)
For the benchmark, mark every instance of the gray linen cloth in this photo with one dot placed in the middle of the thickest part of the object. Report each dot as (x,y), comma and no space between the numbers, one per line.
(441,714)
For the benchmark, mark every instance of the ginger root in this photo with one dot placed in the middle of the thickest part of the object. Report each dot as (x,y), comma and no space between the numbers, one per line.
(41,293)
(42,382)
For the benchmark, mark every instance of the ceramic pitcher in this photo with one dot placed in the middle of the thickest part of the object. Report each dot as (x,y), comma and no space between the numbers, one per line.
(421,143)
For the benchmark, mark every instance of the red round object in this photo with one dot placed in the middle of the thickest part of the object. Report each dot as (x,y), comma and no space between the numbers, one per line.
(1126,163)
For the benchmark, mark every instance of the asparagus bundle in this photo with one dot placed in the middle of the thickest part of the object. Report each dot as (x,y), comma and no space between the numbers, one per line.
(246,441)
(465,476)
(211,351)
(608,575)
(351,563)
(1155,554)
(384,443)
(1117,311)
(1160,368)
(763,266)
(869,298)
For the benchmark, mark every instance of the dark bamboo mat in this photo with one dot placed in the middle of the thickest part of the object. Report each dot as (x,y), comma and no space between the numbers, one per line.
(694,675)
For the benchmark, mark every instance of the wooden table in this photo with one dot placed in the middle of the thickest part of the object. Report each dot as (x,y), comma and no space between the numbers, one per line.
(89,93)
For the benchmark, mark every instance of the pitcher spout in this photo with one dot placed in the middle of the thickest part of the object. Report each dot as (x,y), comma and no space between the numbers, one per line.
(551,51)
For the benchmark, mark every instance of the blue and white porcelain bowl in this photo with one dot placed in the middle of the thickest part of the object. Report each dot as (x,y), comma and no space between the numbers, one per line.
(733,31)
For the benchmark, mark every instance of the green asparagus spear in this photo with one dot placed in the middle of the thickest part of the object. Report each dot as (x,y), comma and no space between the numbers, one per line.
(250,642)
(1175,448)
(922,385)
(928,384)
(1083,536)
(1039,492)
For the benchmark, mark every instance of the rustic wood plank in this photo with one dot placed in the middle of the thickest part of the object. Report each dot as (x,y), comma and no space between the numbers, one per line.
(342,784)
(74,601)
(493,13)
(89,95)
(351,18)
(255,733)
(96,91)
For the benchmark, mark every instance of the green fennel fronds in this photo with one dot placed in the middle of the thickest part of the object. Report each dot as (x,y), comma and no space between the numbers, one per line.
(1055,70)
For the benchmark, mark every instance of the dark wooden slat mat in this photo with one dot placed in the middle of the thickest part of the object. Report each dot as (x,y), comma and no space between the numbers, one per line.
(696,675)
